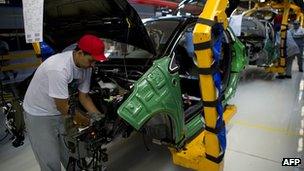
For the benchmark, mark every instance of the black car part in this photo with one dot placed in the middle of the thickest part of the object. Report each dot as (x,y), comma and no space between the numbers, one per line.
(13,113)
(12,109)
(14,121)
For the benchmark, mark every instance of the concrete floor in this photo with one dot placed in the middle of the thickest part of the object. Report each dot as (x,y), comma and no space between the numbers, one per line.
(269,123)
(267,128)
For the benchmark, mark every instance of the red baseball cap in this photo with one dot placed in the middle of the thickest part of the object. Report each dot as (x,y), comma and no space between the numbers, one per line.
(93,46)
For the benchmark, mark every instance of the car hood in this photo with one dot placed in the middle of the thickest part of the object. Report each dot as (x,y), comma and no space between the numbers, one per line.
(65,21)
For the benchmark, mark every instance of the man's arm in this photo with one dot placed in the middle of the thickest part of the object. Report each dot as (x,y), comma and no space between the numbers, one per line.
(87,102)
(63,107)
(58,90)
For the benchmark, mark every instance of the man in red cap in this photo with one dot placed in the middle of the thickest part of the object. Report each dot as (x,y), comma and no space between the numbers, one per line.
(48,100)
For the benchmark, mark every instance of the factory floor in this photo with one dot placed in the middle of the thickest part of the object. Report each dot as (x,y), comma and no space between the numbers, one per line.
(267,128)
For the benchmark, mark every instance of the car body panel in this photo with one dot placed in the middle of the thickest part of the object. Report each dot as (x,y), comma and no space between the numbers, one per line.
(156,92)
(239,59)
(238,63)
(146,101)
(273,51)
(194,126)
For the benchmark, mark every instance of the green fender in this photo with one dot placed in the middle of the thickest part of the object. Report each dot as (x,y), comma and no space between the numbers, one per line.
(238,63)
(239,57)
(156,92)
(272,51)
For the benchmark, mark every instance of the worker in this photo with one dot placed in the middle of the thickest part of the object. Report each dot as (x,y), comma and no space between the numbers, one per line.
(292,50)
(47,105)
(298,35)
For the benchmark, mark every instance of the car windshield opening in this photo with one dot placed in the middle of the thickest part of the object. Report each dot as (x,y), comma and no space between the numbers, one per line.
(160,32)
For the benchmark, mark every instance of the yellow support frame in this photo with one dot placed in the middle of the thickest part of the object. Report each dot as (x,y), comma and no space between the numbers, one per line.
(207,142)
(215,11)
(300,18)
(193,155)
(279,66)
(36,47)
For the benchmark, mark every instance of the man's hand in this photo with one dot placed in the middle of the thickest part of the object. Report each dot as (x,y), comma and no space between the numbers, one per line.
(69,126)
(72,123)
(62,106)
(80,120)
(87,102)
(95,116)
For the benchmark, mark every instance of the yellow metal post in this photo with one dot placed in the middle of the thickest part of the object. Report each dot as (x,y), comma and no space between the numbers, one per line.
(300,17)
(37,49)
(284,27)
(215,11)
(207,142)
(193,155)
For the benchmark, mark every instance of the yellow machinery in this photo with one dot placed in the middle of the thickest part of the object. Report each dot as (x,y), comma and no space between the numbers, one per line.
(286,7)
(36,47)
(204,152)
(193,156)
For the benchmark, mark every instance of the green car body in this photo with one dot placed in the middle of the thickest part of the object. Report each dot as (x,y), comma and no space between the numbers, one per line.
(158,92)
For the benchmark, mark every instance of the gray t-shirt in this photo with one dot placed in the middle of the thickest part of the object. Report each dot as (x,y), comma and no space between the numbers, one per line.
(52,80)
(298,36)
(292,47)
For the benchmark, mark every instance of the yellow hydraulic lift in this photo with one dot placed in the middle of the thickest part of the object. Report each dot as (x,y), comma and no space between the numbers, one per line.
(204,152)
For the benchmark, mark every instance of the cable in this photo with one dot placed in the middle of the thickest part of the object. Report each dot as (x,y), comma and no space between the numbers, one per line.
(78,156)
(124,56)
(64,141)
